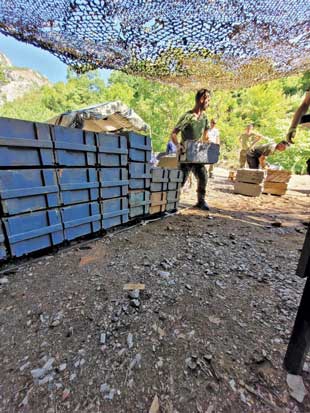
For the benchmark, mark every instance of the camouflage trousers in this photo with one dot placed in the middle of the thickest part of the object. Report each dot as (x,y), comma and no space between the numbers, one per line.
(200,174)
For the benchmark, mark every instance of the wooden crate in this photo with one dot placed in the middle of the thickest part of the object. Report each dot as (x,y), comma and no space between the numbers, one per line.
(245,188)
(275,188)
(251,176)
(278,176)
(158,202)
(168,161)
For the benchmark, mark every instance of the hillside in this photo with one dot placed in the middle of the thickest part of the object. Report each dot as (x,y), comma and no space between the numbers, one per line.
(16,81)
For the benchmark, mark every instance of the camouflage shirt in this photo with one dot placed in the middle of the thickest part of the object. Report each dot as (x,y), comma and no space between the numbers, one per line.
(265,150)
(191,127)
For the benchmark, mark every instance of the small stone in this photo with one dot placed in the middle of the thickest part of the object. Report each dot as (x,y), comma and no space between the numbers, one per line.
(134,294)
(135,303)
(4,280)
(65,394)
(188,287)
(104,388)
(62,367)
(37,373)
(24,366)
(232,384)
(190,363)
(48,365)
(130,340)
(103,338)
(136,361)
(164,274)
(72,376)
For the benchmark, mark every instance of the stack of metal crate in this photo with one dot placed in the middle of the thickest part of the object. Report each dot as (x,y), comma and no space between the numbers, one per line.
(58,184)
(175,179)
(159,186)
(28,188)
(76,158)
(113,179)
(165,189)
(139,167)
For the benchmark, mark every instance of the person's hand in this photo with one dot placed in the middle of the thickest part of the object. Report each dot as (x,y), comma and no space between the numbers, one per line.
(180,148)
(291,135)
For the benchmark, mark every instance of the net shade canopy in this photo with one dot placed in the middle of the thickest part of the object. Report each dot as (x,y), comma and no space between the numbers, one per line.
(193,44)
(104,117)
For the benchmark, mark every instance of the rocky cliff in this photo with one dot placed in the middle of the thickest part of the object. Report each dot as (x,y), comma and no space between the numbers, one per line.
(15,81)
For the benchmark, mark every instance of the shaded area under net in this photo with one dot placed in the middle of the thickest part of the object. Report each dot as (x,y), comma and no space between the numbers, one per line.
(215,43)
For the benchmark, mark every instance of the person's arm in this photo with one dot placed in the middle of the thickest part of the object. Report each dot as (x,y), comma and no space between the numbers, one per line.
(262,161)
(174,137)
(256,139)
(302,110)
(205,137)
(218,140)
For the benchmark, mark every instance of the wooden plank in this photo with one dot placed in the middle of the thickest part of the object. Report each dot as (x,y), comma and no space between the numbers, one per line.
(157,209)
(252,176)
(275,188)
(134,286)
(278,176)
(244,188)
(158,198)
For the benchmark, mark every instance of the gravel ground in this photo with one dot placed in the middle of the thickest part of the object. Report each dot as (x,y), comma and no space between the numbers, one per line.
(207,334)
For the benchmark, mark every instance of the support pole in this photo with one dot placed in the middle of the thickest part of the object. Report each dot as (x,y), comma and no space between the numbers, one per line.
(299,343)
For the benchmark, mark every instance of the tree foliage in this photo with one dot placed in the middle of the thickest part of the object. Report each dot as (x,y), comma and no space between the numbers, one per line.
(269,106)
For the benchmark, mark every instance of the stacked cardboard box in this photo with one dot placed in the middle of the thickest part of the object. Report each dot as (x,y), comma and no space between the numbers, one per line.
(276,182)
(249,182)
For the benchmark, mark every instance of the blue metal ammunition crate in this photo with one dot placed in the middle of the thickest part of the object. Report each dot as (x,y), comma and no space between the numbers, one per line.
(139,175)
(140,147)
(81,219)
(172,206)
(78,185)
(175,175)
(159,186)
(174,186)
(3,251)
(113,182)
(160,174)
(25,143)
(173,196)
(139,203)
(112,150)
(28,190)
(34,231)
(114,212)
(74,147)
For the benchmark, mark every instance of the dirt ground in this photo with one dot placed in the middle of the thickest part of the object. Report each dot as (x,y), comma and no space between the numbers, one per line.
(208,333)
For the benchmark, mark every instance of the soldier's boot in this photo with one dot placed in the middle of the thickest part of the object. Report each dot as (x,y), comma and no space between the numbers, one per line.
(201,204)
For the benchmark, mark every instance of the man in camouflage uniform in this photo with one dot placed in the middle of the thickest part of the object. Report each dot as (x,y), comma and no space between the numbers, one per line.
(194,125)
(256,157)
(247,141)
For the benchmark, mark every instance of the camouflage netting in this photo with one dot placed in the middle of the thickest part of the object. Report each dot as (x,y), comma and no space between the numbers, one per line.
(193,43)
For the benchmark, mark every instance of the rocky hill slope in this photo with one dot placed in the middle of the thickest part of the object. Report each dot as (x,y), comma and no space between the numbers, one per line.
(16,81)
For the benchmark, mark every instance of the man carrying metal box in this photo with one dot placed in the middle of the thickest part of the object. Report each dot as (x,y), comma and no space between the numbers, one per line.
(193,126)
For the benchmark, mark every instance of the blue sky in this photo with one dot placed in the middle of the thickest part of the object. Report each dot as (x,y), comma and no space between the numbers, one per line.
(25,55)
